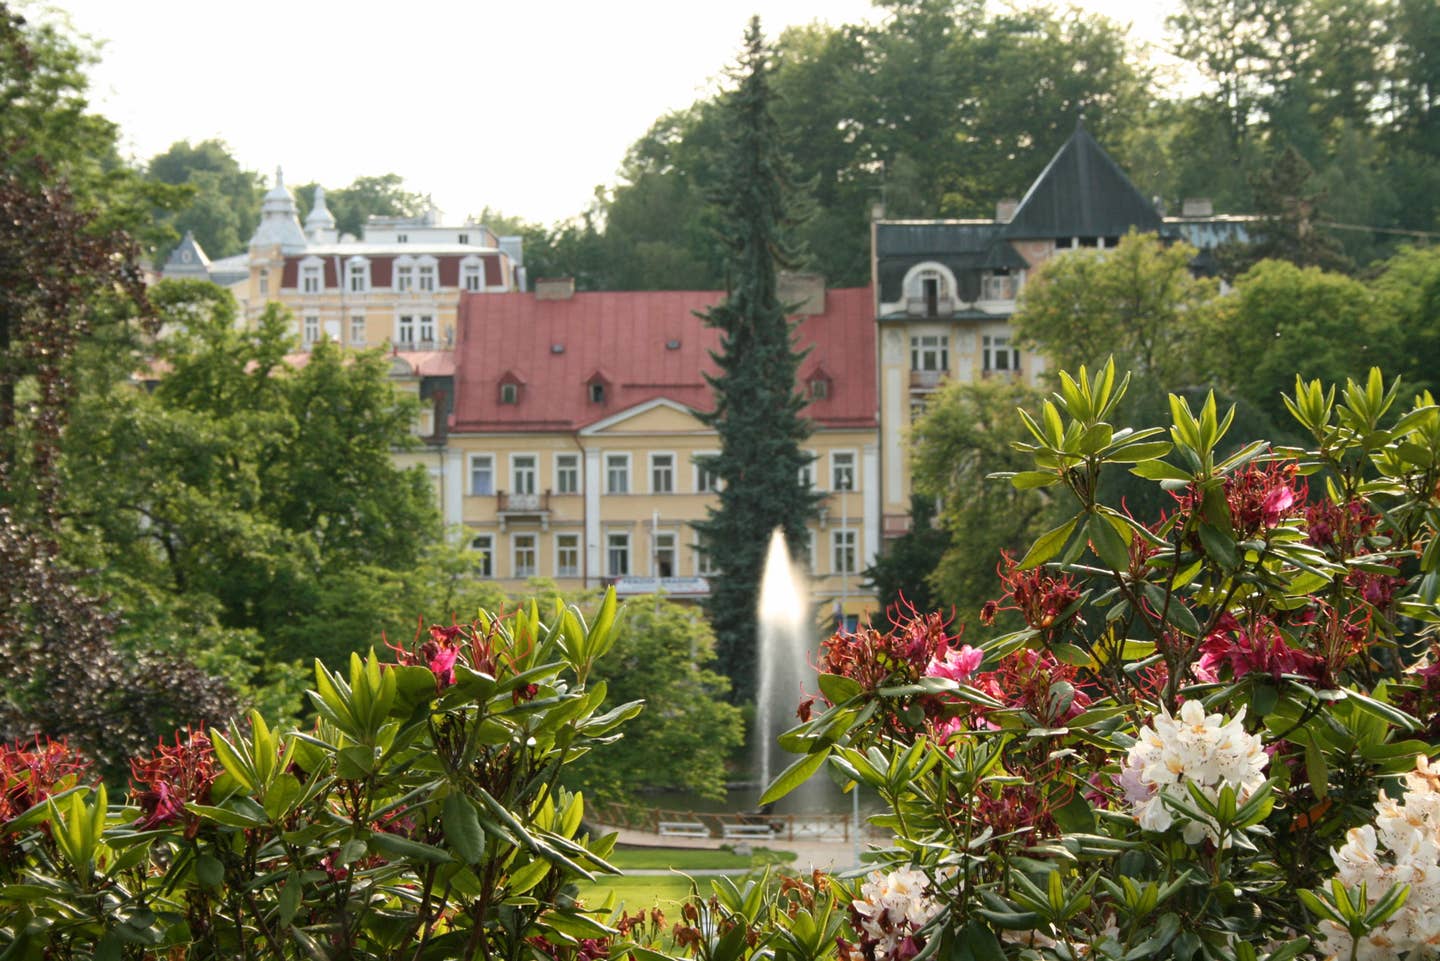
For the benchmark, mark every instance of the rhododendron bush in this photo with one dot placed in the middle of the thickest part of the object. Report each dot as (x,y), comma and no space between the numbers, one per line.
(421,817)
(1211,737)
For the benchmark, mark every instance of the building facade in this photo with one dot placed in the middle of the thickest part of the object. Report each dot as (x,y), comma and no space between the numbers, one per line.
(945,290)
(399,285)
(565,441)
(560,429)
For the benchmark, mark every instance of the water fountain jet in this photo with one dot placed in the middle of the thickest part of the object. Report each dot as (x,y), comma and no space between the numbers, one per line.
(786,652)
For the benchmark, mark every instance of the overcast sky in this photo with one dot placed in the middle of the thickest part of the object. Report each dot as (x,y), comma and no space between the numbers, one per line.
(522,107)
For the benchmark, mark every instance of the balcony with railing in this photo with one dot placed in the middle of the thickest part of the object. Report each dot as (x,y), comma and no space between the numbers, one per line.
(928,379)
(512,506)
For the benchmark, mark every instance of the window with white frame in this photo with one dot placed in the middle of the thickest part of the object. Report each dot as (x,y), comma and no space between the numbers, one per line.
(1000,286)
(484,548)
(405,331)
(997,354)
(807,470)
(617,473)
(264,281)
(617,554)
(462,239)
(930,352)
(425,275)
(357,330)
(404,274)
(357,274)
(567,555)
(664,559)
(707,481)
(509,393)
(402,238)
(425,327)
(567,473)
(472,274)
(704,564)
(523,555)
(312,330)
(522,473)
(662,473)
(811,559)
(482,475)
(843,551)
(842,470)
(312,277)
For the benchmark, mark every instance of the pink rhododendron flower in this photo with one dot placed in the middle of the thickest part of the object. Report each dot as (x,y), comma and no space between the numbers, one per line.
(955,664)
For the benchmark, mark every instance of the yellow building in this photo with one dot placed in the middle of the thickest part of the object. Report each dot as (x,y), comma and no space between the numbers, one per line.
(565,440)
(399,285)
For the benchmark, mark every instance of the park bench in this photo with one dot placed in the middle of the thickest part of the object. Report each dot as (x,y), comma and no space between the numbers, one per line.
(747,832)
(683,829)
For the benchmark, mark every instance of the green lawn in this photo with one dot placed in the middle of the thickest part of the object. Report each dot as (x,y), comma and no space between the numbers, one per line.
(695,859)
(644,892)
(666,890)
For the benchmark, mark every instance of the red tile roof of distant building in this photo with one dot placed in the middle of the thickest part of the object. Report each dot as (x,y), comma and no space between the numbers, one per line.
(556,346)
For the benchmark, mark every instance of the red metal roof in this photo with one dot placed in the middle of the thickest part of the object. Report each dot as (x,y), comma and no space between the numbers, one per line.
(557,345)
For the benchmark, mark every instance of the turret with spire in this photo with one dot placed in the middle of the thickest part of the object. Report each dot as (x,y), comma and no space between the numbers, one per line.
(279,220)
(320,223)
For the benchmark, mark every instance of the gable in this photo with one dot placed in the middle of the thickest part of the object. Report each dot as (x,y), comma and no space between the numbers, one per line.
(654,417)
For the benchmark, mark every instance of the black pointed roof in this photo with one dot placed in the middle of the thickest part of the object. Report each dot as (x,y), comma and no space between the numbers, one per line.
(1082,192)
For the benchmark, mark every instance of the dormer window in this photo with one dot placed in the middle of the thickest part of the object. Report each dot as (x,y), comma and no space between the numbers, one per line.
(472,274)
(929,290)
(1000,285)
(817,384)
(312,275)
(510,385)
(930,284)
(404,274)
(596,386)
(357,275)
(425,271)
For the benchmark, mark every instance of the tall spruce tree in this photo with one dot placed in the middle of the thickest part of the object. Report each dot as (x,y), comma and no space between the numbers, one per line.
(757,406)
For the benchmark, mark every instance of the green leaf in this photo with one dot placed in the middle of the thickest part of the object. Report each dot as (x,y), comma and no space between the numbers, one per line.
(394,846)
(837,688)
(794,775)
(1049,544)
(1219,545)
(1109,545)
(526,877)
(463,833)
(1031,479)
(1160,470)
(209,870)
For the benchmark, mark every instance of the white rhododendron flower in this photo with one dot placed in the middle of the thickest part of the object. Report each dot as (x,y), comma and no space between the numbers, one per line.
(1192,748)
(891,909)
(1401,847)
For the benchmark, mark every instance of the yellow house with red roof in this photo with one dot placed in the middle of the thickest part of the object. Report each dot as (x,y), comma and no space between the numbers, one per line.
(563,437)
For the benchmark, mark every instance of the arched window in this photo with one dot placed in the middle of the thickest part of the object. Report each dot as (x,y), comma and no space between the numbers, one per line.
(929,290)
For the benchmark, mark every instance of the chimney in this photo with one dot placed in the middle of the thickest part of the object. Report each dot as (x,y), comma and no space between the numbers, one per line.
(1197,207)
(1005,211)
(555,288)
(806,291)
